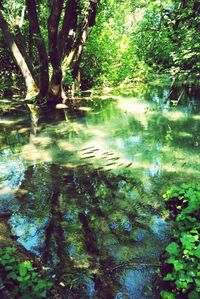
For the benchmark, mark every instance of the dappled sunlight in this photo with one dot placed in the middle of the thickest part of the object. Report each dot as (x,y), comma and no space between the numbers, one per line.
(141,110)
(185,134)
(184,172)
(41,140)
(66,145)
(175,115)
(133,105)
(82,108)
(7,191)
(99,132)
(196,117)
(31,153)
(23,130)
(6,121)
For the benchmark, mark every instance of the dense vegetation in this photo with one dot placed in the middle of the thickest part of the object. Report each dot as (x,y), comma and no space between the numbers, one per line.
(45,39)
(49,50)
(138,39)
(131,41)
(182,275)
(20,277)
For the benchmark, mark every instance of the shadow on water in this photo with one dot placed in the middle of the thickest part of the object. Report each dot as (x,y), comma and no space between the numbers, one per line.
(91,228)
(84,186)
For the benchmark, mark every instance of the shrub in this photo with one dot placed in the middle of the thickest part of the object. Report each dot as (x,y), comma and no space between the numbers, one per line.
(183,253)
(20,277)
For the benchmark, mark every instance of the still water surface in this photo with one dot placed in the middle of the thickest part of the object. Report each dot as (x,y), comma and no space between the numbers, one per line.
(84,187)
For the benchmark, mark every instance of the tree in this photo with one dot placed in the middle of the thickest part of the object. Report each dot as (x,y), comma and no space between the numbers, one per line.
(136,40)
(44,61)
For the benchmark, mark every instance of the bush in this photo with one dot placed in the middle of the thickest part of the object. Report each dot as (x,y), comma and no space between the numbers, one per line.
(183,254)
(20,278)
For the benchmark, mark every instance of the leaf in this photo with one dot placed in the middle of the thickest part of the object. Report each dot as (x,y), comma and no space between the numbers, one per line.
(12,275)
(41,285)
(169,277)
(167,295)
(178,265)
(28,265)
(10,249)
(19,278)
(173,249)
(188,241)
(182,284)
(197,281)
(197,252)
(22,269)
(193,295)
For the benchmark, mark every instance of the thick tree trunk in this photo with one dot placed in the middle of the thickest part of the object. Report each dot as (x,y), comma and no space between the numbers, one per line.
(32,88)
(56,93)
(39,42)
(55,86)
(64,46)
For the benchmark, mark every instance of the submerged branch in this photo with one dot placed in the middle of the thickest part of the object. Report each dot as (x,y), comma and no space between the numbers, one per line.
(132,264)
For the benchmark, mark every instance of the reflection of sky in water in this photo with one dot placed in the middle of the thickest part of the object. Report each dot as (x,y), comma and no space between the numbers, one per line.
(29,231)
(141,235)
(90,287)
(134,283)
(11,169)
(154,170)
(125,224)
(159,228)
(11,175)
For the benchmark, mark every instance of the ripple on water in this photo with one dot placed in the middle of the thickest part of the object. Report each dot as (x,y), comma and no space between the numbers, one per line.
(135,283)
(160,228)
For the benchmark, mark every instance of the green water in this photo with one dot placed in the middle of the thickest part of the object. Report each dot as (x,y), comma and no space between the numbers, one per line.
(84,187)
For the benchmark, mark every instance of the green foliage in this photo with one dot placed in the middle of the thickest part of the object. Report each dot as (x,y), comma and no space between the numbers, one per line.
(110,55)
(130,42)
(68,78)
(167,295)
(184,252)
(20,277)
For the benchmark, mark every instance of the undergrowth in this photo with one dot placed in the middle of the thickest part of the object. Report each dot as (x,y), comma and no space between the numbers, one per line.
(181,269)
(20,278)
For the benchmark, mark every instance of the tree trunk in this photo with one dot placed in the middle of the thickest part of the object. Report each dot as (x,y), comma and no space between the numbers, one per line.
(39,42)
(65,45)
(55,86)
(31,86)
(75,39)
(55,93)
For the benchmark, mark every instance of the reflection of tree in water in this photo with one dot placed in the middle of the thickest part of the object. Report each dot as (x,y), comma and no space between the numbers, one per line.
(85,214)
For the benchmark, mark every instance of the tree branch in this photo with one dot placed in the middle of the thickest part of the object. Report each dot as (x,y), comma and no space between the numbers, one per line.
(39,42)
(69,27)
(73,55)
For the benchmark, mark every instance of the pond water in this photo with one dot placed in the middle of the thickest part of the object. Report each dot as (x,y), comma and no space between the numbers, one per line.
(84,186)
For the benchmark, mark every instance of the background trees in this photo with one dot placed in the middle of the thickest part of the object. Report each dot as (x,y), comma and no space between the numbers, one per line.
(133,41)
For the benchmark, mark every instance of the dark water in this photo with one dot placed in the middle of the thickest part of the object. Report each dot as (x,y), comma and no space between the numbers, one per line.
(84,186)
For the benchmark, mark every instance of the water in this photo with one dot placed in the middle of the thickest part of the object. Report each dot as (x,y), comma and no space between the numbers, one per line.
(84,187)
